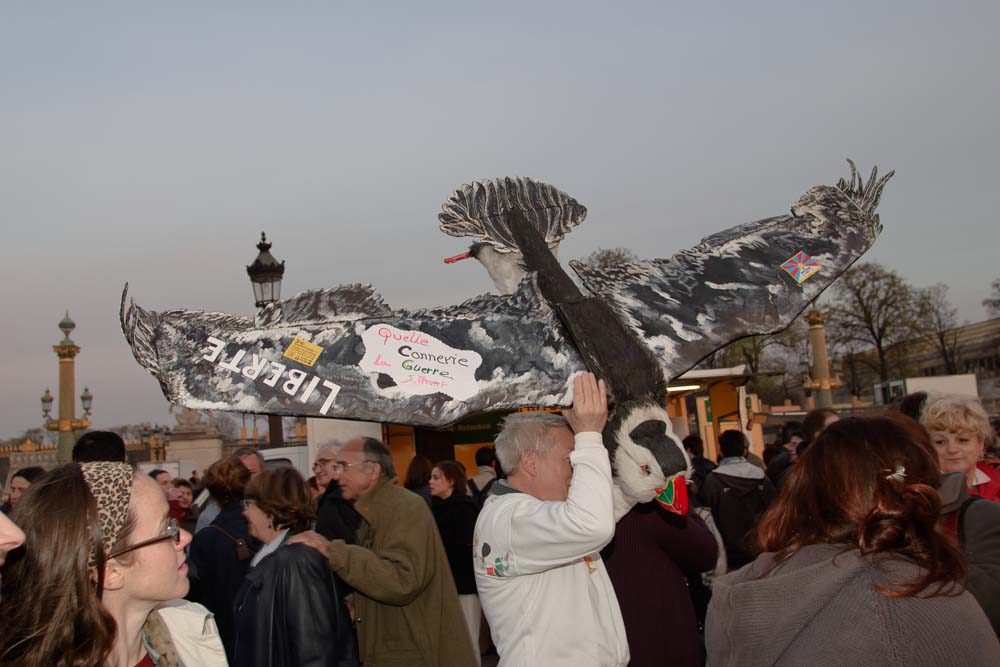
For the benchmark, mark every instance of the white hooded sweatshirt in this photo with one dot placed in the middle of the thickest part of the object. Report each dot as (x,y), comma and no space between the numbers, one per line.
(541,579)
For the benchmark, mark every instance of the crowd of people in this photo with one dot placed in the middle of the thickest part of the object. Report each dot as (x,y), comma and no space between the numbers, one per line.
(852,540)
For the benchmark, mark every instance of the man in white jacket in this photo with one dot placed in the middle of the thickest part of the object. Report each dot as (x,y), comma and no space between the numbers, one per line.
(541,580)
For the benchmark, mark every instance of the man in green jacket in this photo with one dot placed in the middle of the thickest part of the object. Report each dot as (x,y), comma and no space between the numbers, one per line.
(405,602)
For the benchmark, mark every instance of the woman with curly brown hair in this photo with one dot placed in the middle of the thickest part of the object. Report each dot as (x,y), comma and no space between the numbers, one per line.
(221,552)
(290,609)
(855,571)
(98,581)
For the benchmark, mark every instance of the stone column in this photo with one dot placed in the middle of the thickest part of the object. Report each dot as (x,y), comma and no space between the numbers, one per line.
(821,362)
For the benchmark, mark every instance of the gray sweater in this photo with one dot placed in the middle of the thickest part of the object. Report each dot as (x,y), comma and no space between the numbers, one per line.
(820,607)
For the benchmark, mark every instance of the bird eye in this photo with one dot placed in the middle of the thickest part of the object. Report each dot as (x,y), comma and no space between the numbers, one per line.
(645,469)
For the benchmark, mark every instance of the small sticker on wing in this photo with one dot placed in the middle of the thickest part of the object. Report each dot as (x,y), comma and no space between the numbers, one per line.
(801,266)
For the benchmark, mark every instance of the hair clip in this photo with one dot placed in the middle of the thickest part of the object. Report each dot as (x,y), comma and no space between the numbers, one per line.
(899,475)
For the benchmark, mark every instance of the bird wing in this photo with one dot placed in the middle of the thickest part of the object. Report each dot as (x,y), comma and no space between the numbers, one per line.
(752,279)
(343,353)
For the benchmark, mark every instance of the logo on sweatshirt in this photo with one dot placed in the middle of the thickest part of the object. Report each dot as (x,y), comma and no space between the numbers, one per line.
(500,565)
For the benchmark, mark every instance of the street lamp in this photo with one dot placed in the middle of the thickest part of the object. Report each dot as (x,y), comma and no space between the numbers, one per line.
(265,274)
(47,404)
(265,278)
(86,399)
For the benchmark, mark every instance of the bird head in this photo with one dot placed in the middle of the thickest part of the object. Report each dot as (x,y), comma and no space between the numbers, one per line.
(483,210)
(505,267)
(648,459)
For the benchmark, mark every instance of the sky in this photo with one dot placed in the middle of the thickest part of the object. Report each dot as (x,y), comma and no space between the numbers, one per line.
(152,145)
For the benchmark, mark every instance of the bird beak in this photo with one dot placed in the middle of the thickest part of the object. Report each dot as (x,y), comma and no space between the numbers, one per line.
(457,258)
(673,497)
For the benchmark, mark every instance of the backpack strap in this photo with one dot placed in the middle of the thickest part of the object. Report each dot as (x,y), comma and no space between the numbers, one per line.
(242,548)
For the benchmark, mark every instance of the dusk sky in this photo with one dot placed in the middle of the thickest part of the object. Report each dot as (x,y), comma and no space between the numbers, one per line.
(153,145)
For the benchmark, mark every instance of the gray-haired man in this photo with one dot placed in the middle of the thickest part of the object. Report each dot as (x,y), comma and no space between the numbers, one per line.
(406,602)
(539,536)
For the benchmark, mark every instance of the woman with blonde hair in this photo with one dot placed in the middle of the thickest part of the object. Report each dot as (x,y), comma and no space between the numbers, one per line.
(99,579)
(959,429)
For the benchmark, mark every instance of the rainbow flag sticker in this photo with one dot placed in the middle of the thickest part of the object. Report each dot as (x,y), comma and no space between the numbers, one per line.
(801,266)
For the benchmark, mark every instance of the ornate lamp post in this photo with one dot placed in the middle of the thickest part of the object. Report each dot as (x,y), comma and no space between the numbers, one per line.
(67,424)
(265,275)
(265,278)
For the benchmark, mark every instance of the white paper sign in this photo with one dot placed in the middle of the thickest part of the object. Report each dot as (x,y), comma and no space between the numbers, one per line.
(419,363)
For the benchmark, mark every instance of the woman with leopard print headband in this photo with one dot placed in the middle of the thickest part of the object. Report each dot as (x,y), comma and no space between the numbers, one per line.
(112,560)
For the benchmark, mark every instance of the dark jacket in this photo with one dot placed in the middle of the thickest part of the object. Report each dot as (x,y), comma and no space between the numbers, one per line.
(779,466)
(738,494)
(424,492)
(217,571)
(456,521)
(290,612)
(406,600)
(978,536)
(336,518)
(701,468)
(821,607)
(652,554)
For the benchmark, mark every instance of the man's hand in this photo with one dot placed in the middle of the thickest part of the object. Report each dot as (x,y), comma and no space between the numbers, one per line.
(590,405)
(311,538)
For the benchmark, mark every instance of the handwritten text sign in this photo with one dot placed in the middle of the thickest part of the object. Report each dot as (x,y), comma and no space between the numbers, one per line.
(302,351)
(419,363)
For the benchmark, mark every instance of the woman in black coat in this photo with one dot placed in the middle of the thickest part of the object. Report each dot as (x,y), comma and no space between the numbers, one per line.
(290,610)
(221,552)
(455,513)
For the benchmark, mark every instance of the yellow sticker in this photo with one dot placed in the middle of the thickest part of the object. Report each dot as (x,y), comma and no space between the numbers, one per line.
(303,351)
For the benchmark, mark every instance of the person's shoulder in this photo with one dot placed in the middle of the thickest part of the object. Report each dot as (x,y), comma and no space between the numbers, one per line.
(298,556)
(402,502)
(506,501)
(210,534)
(989,471)
(459,505)
(981,516)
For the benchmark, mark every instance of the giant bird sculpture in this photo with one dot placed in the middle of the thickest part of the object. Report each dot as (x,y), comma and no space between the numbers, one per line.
(342,352)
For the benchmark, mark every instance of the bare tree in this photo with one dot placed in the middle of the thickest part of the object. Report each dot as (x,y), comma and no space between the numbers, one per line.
(940,320)
(992,304)
(871,305)
(606,258)
(852,370)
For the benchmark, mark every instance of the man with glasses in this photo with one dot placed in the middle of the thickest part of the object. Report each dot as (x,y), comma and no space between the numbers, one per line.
(405,599)
(336,517)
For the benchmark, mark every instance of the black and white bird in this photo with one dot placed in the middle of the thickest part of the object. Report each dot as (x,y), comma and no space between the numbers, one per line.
(343,352)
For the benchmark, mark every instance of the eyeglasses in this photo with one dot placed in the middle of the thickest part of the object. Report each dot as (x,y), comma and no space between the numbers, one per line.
(171,532)
(247,504)
(322,463)
(340,466)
